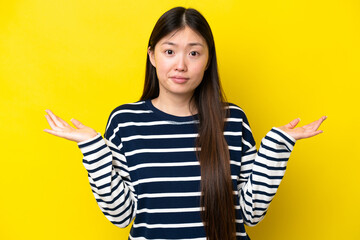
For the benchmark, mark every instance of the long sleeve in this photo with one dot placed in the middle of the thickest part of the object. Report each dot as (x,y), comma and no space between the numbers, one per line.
(109,177)
(261,171)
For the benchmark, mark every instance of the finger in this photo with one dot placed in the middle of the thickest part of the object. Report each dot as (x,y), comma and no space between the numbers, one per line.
(311,134)
(293,123)
(54,118)
(319,122)
(314,125)
(77,123)
(63,121)
(56,133)
(322,119)
(51,123)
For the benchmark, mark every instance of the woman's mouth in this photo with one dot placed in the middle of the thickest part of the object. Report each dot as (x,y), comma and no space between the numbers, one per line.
(179,79)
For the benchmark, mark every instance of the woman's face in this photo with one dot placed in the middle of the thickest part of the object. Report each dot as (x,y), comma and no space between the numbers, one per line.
(180,59)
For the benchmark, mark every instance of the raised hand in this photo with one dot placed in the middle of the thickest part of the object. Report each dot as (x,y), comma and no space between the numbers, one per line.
(62,129)
(306,131)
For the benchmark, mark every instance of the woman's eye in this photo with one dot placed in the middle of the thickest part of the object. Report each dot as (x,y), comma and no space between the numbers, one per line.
(170,52)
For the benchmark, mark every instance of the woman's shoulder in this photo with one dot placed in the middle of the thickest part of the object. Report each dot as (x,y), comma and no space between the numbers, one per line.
(236,114)
(133,106)
(124,111)
(235,110)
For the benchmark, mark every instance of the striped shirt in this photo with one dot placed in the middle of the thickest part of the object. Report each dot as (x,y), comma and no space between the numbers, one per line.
(145,167)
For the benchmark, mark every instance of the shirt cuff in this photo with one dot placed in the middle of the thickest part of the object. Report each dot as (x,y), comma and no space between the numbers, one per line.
(284,137)
(88,140)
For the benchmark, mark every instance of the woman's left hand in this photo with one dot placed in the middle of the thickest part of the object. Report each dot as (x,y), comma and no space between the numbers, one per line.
(306,131)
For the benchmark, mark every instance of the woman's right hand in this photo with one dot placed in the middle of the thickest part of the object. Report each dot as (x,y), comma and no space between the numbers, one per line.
(62,129)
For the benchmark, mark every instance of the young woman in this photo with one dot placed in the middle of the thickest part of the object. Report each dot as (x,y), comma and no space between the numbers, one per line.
(182,161)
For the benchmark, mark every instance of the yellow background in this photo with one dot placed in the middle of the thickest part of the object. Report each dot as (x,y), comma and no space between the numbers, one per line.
(278,60)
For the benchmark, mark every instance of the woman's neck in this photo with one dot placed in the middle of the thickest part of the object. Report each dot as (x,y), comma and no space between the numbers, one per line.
(177,106)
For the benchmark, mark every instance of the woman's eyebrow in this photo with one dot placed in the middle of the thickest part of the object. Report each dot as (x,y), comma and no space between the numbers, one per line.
(190,44)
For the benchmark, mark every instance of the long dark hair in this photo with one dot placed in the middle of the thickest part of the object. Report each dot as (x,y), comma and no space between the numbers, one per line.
(216,186)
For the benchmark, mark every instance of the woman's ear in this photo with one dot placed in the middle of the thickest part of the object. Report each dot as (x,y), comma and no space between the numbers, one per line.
(152,57)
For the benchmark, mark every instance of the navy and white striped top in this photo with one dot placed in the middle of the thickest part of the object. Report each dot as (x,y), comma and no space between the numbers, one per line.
(145,167)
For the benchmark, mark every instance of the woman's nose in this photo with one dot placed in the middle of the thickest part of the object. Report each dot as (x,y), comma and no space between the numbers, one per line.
(181,63)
